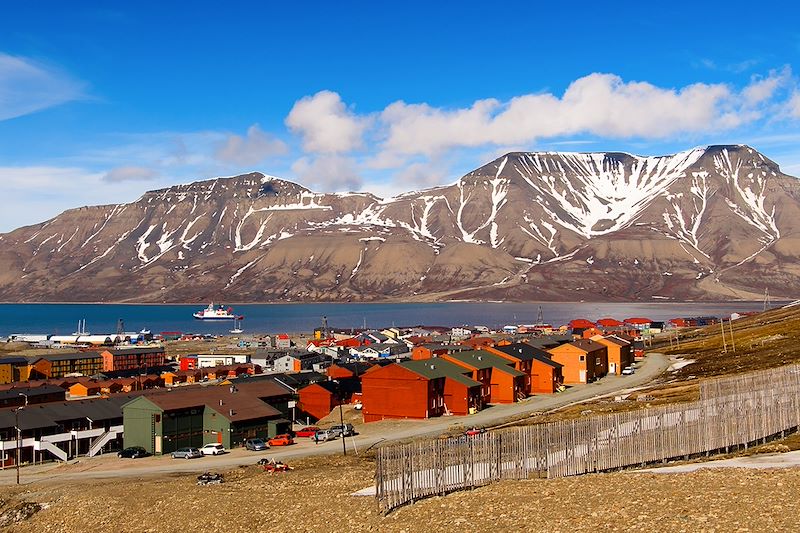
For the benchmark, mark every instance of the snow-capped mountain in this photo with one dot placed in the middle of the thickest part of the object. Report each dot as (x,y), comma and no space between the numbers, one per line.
(718,222)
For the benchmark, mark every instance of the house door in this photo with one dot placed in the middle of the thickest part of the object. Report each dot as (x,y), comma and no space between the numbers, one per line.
(219,437)
(612,368)
(583,376)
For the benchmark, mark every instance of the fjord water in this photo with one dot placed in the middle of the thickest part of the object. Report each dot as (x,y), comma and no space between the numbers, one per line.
(272,318)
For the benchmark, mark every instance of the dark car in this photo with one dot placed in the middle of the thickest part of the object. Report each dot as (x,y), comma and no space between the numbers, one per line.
(256,445)
(133,452)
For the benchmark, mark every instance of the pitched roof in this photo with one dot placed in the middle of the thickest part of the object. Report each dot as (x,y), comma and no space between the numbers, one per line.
(484,359)
(241,404)
(587,345)
(526,352)
(437,367)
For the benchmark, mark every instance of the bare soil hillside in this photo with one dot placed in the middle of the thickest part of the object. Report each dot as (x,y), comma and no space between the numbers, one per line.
(316,496)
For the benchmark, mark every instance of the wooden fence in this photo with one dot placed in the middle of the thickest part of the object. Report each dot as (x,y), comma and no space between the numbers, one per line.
(731,413)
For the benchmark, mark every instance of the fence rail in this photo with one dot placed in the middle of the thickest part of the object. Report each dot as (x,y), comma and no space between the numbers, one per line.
(731,412)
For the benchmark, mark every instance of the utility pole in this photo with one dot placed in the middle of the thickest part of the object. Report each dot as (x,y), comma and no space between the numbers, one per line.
(724,344)
(341,416)
(19,431)
(730,325)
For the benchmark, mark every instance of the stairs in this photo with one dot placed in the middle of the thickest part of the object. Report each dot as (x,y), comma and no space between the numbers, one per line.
(103,439)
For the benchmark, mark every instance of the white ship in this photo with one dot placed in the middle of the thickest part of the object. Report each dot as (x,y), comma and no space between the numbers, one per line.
(216,313)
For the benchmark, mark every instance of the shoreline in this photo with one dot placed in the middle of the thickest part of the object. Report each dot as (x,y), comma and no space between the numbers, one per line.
(774,303)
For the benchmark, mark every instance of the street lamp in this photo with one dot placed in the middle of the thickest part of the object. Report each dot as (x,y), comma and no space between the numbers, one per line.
(341,416)
(19,432)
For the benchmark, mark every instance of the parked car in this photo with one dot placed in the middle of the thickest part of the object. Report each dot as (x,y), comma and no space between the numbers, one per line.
(628,370)
(213,449)
(346,430)
(133,452)
(323,435)
(307,431)
(281,440)
(256,445)
(474,431)
(186,453)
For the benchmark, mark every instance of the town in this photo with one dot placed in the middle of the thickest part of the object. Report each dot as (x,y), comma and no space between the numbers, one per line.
(85,395)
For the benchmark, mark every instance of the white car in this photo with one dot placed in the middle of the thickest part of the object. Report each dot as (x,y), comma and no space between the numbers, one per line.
(627,371)
(213,449)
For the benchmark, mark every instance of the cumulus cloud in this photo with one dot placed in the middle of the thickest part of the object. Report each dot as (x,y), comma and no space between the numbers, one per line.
(251,149)
(116,175)
(602,105)
(26,87)
(326,125)
(599,104)
(328,173)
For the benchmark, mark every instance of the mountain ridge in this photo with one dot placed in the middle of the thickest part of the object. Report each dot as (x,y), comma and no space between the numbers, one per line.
(525,226)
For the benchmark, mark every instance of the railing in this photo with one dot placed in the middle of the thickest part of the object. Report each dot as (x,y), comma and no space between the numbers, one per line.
(732,412)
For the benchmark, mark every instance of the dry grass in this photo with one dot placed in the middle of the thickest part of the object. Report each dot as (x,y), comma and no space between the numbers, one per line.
(762,341)
(316,496)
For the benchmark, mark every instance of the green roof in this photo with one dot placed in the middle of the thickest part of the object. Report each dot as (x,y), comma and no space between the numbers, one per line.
(484,359)
(437,368)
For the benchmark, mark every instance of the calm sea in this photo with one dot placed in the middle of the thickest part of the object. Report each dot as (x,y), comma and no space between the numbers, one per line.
(102,318)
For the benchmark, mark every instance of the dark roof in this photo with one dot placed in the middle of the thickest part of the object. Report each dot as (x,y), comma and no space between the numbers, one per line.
(47,415)
(550,341)
(588,345)
(438,367)
(356,367)
(70,355)
(239,402)
(31,391)
(13,360)
(526,352)
(484,359)
(348,385)
(141,350)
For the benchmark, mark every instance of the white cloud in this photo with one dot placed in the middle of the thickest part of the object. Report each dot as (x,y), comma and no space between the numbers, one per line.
(420,176)
(763,89)
(131,173)
(36,193)
(26,87)
(326,124)
(794,104)
(328,173)
(599,104)
(251,149)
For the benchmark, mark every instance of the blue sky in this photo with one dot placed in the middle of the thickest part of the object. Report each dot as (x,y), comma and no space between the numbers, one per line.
(100,102)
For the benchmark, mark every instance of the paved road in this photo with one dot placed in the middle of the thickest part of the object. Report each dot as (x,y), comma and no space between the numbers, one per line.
(112,467)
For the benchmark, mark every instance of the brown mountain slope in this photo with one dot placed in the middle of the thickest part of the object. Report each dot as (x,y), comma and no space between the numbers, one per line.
(715,222)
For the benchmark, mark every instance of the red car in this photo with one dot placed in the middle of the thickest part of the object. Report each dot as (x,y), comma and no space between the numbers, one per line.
(281,440)
(307,431)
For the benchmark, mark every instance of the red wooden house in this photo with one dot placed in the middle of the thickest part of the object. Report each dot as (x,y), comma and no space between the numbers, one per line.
(394,391)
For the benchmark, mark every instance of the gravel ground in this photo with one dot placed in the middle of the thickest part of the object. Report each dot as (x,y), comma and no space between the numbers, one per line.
(316,496)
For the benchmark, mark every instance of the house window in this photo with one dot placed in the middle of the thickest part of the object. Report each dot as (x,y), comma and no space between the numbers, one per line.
(581,358)
(597,363)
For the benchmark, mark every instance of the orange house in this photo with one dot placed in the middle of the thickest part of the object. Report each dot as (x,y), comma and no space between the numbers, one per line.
(584,360)
(507,384)
(462,394)
(545,375)
(87,388)
(347,370)
(319,399)
(620,352)
(394,391)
